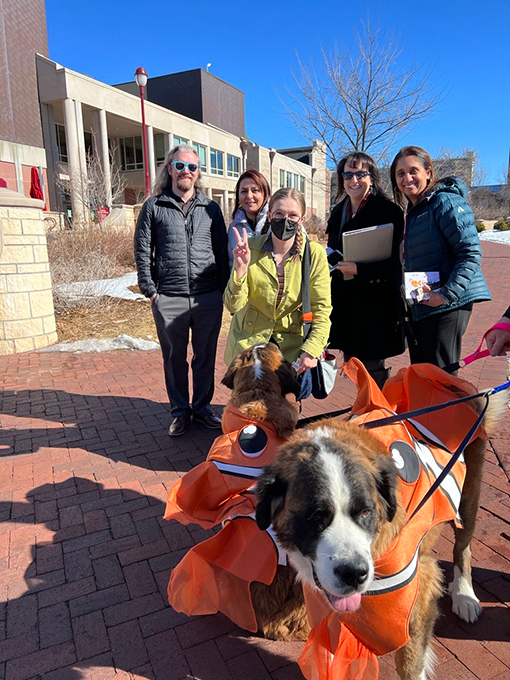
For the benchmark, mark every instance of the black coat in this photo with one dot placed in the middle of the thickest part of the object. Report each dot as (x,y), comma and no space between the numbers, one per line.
(366,321)
(179,254)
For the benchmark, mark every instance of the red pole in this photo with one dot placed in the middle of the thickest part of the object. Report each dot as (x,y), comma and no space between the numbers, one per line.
(144,137)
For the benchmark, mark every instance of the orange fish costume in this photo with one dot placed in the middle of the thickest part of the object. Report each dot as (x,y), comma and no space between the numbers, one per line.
(216,574)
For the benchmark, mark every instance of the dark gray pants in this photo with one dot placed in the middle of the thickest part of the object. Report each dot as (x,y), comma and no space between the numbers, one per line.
(175,316)
(437,339)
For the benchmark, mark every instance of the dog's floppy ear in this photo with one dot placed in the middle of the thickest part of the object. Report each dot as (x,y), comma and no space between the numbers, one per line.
(386,482)
(287,378)
(271,492)
(228,378)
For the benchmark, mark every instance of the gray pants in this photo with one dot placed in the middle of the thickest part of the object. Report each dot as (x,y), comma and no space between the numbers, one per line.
(175,317)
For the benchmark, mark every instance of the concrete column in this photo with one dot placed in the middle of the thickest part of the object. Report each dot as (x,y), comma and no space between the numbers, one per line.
(226,206)
(50,145)
(208,192)
(101,137)
(73,155)
(80,130)
(151,154)
(169,141)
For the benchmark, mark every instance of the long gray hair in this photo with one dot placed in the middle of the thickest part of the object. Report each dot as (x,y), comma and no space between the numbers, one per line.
(163,179)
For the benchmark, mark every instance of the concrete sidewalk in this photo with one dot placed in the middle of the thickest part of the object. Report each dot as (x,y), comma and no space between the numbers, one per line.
(85,556)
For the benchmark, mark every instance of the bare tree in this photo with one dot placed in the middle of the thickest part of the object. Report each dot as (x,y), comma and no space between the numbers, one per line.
(360,100)
(94,191)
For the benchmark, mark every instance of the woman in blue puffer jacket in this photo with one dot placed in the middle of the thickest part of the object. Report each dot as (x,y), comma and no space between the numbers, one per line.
(439,236)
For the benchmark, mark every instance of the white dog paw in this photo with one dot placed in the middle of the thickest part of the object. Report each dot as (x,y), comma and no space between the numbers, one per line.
(464,601)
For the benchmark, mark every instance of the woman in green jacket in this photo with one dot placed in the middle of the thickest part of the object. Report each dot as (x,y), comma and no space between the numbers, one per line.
(264,290)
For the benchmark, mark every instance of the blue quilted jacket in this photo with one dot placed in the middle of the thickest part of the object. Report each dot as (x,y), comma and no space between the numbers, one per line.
(441,236)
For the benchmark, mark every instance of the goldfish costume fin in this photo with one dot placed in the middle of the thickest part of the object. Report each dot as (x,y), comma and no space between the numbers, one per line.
(347,658)
(215,575)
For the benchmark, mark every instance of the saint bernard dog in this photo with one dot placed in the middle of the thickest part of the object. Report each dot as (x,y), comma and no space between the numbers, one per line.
(334,497)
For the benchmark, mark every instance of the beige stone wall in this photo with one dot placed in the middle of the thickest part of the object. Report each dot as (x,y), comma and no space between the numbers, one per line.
(27,319)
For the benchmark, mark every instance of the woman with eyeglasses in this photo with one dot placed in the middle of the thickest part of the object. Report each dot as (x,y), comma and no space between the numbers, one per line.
(440,236)
(366,321)
(250,209)
(264,289)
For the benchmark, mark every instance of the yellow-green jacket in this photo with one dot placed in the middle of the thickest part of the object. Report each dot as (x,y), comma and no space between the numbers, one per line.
(252,299)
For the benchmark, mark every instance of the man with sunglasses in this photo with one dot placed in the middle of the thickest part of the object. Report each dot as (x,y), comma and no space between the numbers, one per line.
(182,262)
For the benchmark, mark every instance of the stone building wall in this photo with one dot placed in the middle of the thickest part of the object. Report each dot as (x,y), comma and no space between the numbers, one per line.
(27,319)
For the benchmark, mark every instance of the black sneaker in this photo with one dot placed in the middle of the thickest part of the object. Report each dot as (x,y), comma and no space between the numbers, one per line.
(179,425)
(210,420)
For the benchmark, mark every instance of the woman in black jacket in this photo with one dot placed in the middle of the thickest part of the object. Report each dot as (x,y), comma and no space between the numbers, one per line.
(366,321)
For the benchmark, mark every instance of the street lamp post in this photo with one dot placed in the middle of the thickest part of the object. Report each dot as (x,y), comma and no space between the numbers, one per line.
(141,81)
(272,154)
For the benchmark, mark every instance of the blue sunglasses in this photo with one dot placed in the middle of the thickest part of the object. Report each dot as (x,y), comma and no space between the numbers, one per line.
(180,165)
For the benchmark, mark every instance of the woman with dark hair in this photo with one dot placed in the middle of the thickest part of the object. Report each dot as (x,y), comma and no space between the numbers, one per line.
(250,210)
(366,321)
(440,236)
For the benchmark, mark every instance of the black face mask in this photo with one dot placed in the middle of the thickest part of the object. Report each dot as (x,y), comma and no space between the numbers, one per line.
(284,229)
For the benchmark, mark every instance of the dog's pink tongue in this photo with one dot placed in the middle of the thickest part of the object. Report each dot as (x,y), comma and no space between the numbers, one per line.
(345,604)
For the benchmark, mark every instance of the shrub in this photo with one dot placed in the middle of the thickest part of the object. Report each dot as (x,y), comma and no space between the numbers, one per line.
(88,252)
(502,225)
(480,226)
(315,226)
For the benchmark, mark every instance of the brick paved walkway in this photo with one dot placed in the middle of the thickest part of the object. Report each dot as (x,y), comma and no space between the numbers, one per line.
(85,556)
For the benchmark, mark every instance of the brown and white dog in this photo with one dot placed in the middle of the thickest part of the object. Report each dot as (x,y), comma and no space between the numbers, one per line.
(260,380)
(334,501)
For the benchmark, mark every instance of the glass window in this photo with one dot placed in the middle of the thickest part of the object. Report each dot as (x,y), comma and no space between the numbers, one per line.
(201,152)
(180,141)
(302,184)
(216,162)
(61,143)
(89,147)
(131,153)
(232,166)
(289,180)
(296,181)
(159,147)
(282,179)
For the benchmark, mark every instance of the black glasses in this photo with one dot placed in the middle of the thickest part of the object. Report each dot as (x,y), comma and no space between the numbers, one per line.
(361,174)
(180,165)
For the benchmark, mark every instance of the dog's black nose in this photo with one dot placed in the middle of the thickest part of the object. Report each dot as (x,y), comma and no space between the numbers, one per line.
(352,574)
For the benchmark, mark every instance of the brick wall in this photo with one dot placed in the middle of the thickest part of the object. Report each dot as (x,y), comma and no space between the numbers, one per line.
(22,34)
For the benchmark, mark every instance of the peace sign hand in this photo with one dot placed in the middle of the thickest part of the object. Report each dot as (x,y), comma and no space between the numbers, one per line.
(241,252)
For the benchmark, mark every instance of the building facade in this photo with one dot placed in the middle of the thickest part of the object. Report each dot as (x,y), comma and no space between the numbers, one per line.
(22,34)
(76,109)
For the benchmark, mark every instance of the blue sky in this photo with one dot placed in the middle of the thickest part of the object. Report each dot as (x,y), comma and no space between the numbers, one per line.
(253,46)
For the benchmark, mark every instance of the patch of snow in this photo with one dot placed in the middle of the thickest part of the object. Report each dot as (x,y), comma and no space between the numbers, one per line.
(117,288)
(94,345)
(495,236)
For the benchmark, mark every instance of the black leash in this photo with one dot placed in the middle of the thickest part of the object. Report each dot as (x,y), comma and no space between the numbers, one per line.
(486,394)
(437,407)
(455,456)
(304,422)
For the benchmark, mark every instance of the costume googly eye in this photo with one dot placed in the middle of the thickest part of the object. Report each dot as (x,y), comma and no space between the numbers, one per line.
(252,441)
(406,461)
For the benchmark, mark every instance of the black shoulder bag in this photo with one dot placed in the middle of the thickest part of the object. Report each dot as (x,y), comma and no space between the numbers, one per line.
(324,374)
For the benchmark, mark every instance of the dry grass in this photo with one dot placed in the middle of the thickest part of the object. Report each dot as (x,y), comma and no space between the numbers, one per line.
(115,317)
(87,253)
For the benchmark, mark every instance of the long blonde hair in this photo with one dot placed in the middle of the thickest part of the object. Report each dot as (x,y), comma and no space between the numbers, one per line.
(163,180)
